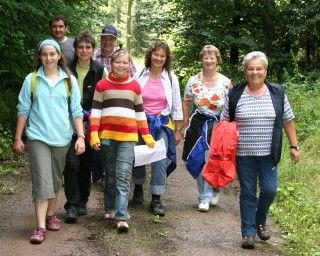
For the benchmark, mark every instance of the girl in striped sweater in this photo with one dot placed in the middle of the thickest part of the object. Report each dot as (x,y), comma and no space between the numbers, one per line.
(116,118)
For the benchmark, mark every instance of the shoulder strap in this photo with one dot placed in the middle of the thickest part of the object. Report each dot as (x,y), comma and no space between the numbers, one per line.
(68,90)
(35,83)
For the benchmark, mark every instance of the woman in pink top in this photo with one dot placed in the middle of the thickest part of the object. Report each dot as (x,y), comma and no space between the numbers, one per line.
(162,104)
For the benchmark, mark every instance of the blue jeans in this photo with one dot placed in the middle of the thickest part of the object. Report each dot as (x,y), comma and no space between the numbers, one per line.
(206,192)
(253,210)
(118,164)
(158,170)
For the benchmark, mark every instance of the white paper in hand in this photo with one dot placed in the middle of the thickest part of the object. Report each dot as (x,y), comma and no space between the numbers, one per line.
(144,155)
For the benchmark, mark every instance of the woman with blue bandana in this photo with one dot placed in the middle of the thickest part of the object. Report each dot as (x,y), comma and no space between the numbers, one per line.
(49,107)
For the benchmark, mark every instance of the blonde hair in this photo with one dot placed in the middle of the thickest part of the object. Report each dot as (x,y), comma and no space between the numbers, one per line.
(210,49)
(119,52)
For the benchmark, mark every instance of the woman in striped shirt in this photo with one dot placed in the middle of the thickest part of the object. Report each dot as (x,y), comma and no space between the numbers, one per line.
(116,118)
(260,109)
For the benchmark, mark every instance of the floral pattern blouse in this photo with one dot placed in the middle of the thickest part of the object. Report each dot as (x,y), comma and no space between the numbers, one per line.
(208,100)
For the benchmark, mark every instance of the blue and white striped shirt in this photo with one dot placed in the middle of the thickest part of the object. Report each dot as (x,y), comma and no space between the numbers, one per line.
(255,118)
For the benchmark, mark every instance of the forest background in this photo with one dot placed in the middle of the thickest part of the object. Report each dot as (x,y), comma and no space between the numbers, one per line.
(288,31)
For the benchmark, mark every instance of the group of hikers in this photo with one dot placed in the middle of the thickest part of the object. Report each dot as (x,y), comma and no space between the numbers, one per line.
(85,108)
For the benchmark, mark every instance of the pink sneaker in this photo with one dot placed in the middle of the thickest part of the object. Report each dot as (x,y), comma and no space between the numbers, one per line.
(38,236)
(53,223)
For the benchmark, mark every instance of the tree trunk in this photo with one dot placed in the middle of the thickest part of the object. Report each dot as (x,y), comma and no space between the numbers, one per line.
(268,12)
(129,32)
(118,14)
(234,49)
(308,52)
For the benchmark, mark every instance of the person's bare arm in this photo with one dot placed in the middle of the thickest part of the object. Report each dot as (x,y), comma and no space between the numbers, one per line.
(18,145)
(80,144)
(292,137)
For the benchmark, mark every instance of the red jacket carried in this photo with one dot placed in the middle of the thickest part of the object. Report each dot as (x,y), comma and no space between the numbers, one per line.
(220,170)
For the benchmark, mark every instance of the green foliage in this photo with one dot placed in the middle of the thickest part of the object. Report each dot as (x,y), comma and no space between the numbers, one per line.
(23,24)
(6,138)
(238,27)
(156,219)
(304,93)
(8,102)
(7,189)
(10,167)
(297,208)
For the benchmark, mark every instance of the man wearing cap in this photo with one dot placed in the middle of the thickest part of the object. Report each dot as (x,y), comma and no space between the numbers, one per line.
(58,26)
(108,41)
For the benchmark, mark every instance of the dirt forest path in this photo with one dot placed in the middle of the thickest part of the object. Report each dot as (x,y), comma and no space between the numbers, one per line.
(182,232)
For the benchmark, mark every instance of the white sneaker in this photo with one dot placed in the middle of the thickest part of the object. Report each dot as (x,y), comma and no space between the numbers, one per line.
(215,198)
(203,207)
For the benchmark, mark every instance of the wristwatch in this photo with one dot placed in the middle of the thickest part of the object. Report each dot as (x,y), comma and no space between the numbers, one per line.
(295,147)
(81,136)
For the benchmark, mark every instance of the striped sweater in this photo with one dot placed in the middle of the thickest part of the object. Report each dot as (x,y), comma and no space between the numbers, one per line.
(117,111)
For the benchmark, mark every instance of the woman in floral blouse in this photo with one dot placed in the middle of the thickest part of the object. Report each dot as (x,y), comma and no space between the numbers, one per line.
(205,92)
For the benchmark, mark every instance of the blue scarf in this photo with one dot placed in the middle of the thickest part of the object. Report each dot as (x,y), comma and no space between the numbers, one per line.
(155,123)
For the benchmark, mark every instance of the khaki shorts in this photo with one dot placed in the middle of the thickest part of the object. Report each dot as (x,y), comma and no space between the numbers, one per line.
(47,164)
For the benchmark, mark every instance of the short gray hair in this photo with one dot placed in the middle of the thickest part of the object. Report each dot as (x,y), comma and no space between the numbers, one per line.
(255,55)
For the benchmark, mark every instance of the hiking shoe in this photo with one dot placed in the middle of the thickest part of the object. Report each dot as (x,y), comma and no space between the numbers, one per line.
(122,226)
(53,223)
(109,216)
(203,207)
(71,215)
(138,195)
(38,236)
(156,208)
(215,198)
(263,233)
(248,242)
(82,210)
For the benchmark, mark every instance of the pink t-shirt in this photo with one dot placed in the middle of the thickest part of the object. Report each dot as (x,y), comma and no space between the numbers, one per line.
(154,98)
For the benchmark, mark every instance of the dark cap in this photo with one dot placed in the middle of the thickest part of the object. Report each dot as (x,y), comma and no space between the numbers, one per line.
(109,30)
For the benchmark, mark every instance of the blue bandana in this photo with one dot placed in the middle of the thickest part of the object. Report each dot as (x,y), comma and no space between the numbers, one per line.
(50,42)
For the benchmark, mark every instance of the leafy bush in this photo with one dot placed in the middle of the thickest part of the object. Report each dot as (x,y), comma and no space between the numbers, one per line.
(8,110)
(304,98)
(297,208)
(6,137)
